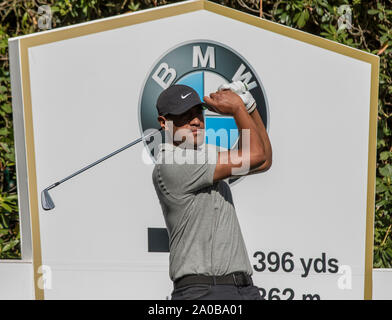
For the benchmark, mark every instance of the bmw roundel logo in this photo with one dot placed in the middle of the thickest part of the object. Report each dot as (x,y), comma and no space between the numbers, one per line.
(203,65)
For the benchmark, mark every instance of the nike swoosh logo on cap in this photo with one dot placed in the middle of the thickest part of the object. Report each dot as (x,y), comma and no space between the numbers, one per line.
(183,97)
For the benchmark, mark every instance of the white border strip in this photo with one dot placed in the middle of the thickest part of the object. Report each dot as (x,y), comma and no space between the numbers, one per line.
(20,152)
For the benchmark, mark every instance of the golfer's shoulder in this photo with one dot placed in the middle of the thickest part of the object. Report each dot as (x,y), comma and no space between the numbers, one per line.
(178,168)
(166,173)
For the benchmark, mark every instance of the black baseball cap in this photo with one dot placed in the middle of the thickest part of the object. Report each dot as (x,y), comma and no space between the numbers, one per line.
(177,99)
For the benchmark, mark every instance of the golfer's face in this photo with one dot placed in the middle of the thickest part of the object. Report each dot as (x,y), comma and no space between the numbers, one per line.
(189,126)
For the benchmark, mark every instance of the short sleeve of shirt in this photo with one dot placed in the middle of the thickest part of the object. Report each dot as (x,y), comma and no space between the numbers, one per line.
(186,177)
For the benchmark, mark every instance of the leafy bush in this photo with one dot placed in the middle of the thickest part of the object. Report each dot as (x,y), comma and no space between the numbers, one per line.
(371,31)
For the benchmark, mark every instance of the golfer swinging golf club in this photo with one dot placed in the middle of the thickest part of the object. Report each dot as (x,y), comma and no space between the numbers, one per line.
(208,257)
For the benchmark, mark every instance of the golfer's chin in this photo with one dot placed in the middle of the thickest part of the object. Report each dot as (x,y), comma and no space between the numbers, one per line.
(198,138)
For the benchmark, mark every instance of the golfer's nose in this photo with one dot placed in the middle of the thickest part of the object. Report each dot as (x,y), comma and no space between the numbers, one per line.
(195,121)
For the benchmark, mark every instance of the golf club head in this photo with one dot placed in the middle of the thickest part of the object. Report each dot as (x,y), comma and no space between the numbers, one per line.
(46,200)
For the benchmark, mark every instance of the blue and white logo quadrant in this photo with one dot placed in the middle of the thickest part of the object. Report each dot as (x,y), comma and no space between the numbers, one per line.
(221,130)
(194,80)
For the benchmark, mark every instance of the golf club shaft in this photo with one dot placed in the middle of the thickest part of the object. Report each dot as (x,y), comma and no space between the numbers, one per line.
(103,159)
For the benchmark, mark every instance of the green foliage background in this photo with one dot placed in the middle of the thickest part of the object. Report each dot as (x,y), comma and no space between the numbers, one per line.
(371,31)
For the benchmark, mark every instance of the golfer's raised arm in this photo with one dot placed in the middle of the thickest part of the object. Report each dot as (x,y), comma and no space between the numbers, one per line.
(251,153)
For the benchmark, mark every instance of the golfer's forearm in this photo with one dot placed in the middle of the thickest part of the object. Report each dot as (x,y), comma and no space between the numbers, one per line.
(255,149)
(262,132)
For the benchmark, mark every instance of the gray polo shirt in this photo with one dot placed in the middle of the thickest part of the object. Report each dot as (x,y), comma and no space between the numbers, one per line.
(204,233)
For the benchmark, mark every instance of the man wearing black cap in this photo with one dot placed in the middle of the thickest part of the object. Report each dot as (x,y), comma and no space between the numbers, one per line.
(208,257)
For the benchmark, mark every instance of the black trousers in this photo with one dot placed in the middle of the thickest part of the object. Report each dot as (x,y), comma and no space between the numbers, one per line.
(216,292)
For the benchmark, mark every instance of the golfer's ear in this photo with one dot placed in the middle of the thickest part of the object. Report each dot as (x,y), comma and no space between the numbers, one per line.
(162,120)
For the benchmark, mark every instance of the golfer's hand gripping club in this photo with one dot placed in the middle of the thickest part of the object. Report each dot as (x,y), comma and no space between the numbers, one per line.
(241,89)
(225,102)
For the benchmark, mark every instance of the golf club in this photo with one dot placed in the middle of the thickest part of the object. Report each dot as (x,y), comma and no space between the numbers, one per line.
(46,200)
